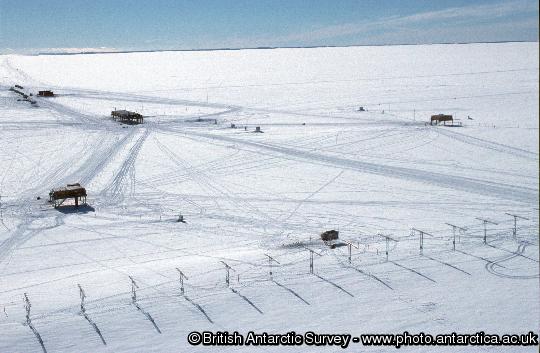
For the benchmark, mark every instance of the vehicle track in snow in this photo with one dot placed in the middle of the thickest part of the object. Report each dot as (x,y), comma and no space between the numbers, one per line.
(490,266)
(518,253)
(139,98)
(212,186)
(101,155)
(115,191)
(489,145)
(471,185)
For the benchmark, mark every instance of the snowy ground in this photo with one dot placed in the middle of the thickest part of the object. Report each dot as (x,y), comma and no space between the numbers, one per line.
(320,164)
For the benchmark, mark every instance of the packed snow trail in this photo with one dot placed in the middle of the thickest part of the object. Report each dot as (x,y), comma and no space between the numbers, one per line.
(471,185)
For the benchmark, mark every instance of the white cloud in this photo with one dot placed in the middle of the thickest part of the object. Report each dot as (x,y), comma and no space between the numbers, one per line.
(471,14)
(475,11)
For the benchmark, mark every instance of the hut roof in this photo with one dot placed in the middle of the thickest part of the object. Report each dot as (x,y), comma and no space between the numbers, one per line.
(125,113)
(71,190)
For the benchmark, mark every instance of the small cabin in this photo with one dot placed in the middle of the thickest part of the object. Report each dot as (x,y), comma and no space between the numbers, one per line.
(71,191)
(127,117)
(441,118)
(330,235)
(46,93)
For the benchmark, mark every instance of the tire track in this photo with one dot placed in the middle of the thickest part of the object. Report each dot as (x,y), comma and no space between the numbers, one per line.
(94,164)
(513,252)
(478,257)
(471,185)
(490,266)
(490,145)
(115,189)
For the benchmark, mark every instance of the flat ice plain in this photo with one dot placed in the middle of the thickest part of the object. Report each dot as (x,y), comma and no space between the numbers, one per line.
(320,164)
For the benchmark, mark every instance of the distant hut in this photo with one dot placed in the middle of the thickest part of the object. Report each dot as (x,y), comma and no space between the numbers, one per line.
(330,235)
(46,93)
(127,117)
(71,191)
(441,118)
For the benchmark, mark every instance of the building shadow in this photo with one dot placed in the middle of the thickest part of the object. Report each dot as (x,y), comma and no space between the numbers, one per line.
(73,209)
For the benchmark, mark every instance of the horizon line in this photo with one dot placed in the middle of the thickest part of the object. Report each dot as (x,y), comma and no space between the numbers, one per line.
(93,52)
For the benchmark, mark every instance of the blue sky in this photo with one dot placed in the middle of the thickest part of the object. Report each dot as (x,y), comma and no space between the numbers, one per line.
(33,25)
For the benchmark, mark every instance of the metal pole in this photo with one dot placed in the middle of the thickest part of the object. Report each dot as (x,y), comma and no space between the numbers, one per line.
(270,260)
(454,241)
(349,247)
(454,228)
(134,287)
(311,261)
(485,232)
(486,221)
(422,233)
(227,275)
(182,276)
(311,252)
(387,247)
(83,296)
(27,307)
(421,243)
(181,284)
(514,232)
